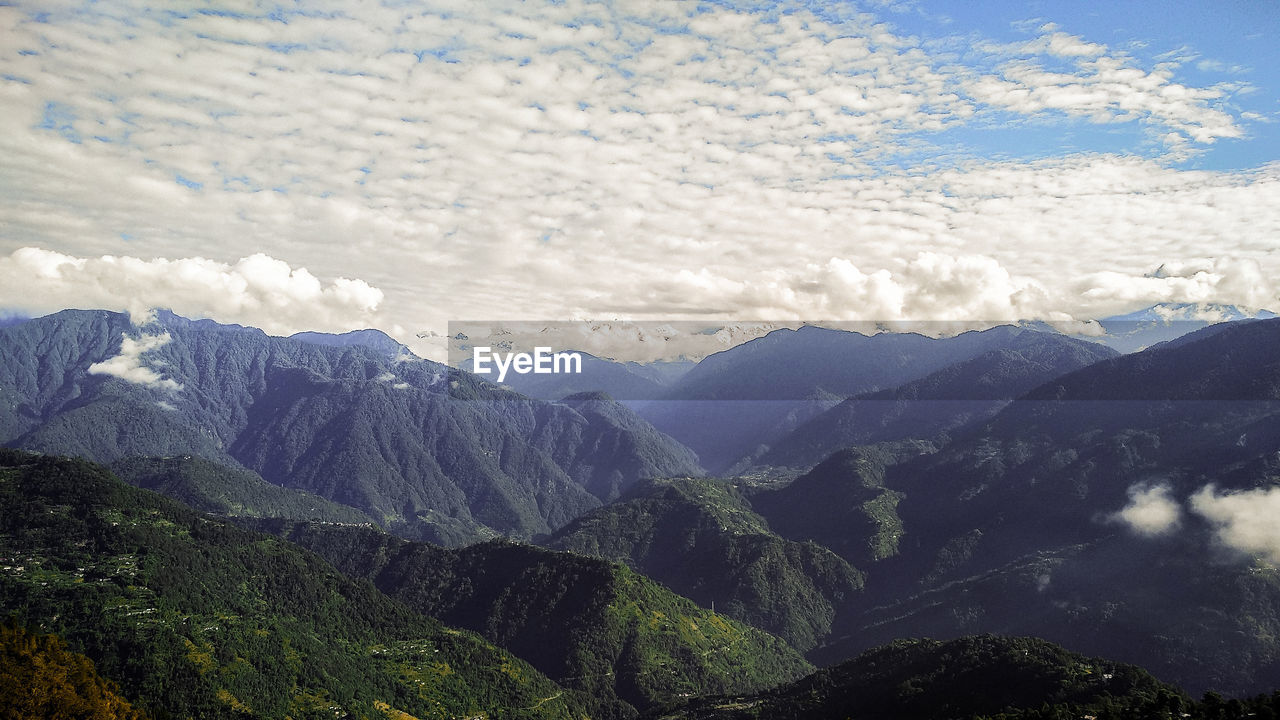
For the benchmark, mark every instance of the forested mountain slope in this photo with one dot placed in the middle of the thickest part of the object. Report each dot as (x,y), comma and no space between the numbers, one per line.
(702,539)
(1122,510)
(591,625)
(194,617)
(423,450)
(967,678)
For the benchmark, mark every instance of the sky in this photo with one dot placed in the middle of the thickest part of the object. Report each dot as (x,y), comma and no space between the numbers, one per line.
(403,165)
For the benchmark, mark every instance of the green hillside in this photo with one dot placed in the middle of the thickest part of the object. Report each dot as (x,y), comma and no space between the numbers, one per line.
(702,539)
(969,678)
(842,504)
(234,492)
(194,617)
(591,625)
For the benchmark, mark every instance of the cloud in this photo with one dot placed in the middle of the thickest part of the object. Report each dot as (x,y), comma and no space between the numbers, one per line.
(1245,521)
(128,365)
(1222,280)
(933,286)
(661,159)
(1104,87)
(1151,511)
(257,290)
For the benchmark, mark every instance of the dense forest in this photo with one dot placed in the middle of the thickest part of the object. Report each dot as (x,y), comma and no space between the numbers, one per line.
(41,678)
(978,678)
(195,617)
(624,640)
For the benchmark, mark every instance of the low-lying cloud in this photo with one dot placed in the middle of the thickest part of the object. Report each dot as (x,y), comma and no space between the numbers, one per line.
(128,365)
(1152,511)
(1245,521)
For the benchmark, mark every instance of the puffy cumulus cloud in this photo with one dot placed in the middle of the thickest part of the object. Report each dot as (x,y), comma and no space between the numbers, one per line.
(932,286)
(1151,511)
(1222,281)
(128,365)
(1245,521)
(257,290)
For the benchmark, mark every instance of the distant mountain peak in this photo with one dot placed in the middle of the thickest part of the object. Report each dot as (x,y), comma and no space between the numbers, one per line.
(367,337)
(1150,326)
(1166,313)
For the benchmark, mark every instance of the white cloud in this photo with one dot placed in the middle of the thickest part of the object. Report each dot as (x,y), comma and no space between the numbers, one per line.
(128,365)
(569,160)
(1105,87)
(1228,281)
(1151,511)
(257,290)
(1245,521)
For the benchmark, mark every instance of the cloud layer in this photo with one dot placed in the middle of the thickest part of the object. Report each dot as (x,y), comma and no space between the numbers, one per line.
(632,159)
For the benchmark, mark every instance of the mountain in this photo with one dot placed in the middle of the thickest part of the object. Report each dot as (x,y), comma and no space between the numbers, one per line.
(1200,619)
(228,491)
(701,539)
(636,449)
(1110,509)
(423,450)
(194,617)
(971,677)
(591,625)
(1045,467)
(626,381)
(370,338)
(735,404)
(939,404)
(842,504)
(1151,326)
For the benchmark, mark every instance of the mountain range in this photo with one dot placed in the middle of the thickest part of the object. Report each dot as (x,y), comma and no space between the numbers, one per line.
(734,405)
(194,617)
(347,526)
(1113,509)
(428,451)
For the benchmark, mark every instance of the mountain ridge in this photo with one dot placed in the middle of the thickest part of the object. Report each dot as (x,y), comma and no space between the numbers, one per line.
(427,451)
